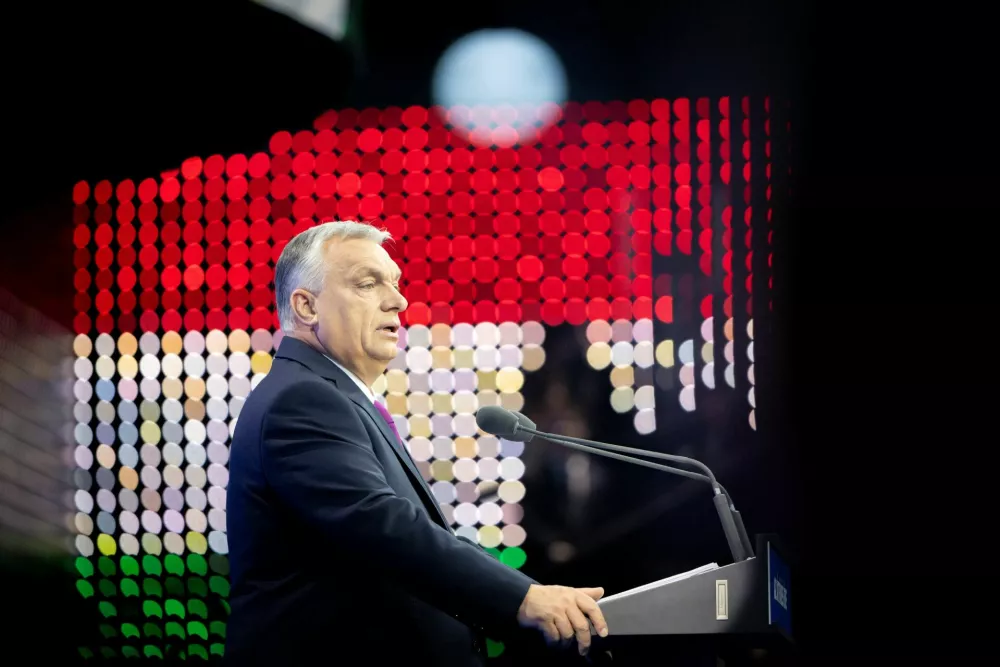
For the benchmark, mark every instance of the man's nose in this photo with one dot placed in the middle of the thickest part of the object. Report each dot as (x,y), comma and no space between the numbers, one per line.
(397,301)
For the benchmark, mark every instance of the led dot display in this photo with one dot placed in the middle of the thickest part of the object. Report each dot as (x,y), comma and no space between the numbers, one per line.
(155,411)
(625,349)
(758,223)
(710,199)
(725,177)
(609,220)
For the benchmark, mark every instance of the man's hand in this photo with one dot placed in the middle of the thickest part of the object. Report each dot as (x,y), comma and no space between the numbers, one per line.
(561,613)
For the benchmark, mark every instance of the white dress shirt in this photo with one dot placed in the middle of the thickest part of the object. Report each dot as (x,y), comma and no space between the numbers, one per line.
(365,388)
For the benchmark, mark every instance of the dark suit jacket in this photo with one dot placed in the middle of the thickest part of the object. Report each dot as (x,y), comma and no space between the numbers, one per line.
(336,543)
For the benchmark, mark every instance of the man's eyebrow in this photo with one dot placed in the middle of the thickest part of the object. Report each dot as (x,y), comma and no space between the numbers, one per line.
(375,272)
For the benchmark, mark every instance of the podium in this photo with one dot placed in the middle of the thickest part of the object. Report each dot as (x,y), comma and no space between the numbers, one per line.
(731,615)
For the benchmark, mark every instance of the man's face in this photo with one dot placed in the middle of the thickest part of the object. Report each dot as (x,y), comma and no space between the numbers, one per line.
(357,311)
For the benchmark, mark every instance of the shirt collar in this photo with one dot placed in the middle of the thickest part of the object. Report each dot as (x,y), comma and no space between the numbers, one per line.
(365,388)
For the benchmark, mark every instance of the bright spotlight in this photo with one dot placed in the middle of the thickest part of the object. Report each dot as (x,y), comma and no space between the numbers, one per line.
(511,83)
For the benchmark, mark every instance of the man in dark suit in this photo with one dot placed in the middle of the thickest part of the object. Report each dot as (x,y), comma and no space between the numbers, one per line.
(336,542)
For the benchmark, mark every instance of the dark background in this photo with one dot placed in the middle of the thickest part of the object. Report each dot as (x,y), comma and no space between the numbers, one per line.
(884,351)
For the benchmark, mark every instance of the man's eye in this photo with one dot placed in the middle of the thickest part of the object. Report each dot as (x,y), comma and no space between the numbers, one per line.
(367,285)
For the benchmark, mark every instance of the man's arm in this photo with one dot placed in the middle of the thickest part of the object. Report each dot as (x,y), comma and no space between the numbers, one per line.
(318,457)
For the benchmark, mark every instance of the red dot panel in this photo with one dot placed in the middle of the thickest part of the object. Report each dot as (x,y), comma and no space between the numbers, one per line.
(561,229)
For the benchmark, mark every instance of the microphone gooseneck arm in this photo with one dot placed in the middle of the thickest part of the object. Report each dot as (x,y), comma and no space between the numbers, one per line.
(732,522)
(604,450)
(591,445)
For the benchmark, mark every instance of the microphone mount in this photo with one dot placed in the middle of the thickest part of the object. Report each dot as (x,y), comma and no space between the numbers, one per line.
(515,426)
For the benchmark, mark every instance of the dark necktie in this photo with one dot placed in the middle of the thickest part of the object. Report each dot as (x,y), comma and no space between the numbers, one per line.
(390,421)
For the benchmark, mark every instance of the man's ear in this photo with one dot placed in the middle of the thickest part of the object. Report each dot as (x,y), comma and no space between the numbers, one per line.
(304,307)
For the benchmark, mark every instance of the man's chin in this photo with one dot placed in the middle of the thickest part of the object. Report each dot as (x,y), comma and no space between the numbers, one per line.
(385,354)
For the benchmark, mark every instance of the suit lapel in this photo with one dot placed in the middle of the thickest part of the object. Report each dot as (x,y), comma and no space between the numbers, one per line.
(312,359)
(400,451)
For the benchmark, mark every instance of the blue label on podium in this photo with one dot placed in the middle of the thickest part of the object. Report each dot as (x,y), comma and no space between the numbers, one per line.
(778,580)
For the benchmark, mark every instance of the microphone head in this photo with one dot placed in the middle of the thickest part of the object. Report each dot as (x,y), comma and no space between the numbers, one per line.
(497,421)
(522,423)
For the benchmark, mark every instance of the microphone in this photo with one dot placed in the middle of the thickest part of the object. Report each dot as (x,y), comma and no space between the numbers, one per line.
(526,431)
(510,425)
(720,500)
(488,490)
(501,422)
(525,425)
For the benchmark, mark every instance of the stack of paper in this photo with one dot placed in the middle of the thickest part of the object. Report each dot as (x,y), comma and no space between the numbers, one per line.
(662,582)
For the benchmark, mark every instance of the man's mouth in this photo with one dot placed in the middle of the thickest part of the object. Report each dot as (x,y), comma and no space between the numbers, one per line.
(391,328)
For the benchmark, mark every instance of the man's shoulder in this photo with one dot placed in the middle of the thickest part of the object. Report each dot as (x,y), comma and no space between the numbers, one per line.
(290,386)
(287,379)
